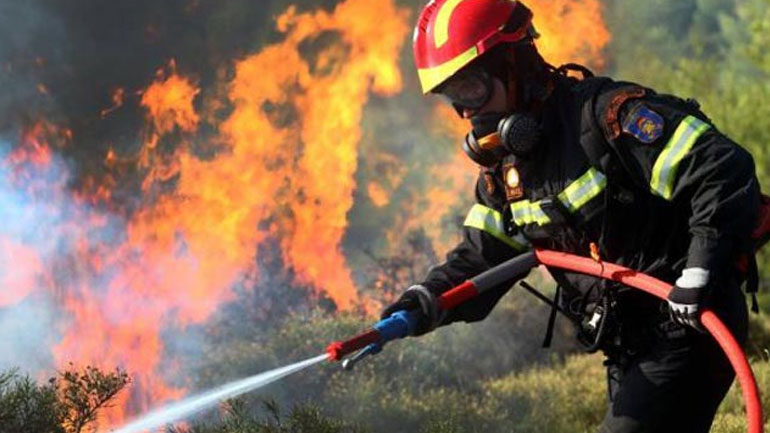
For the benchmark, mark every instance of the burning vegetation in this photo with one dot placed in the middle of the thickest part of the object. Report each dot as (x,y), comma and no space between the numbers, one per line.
(170,171)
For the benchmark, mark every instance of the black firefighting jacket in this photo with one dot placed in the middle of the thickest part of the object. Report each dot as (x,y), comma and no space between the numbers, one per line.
(673,193)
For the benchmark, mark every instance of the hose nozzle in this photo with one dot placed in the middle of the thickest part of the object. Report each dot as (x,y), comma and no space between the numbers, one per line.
(351,362)
(398,325)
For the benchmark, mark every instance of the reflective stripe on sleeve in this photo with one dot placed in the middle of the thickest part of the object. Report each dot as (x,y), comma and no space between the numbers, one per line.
(573,197)
(664,170)
(582,190)
(491,221)
(527,212)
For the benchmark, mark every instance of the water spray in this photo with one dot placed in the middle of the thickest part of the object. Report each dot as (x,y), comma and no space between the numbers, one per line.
(183,409)
(402,323)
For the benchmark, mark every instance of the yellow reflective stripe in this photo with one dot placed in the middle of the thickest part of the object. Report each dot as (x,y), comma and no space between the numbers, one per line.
(441,27)
(526,212)
(664,170)
(491,221)
(573,197)
(582,190)
(432,77)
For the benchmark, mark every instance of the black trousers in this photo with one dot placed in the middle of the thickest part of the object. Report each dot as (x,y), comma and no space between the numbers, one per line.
(678,384)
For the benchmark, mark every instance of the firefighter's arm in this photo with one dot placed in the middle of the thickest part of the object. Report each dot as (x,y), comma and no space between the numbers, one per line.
(716,183)
(682,159)
(685,161)
(484,245)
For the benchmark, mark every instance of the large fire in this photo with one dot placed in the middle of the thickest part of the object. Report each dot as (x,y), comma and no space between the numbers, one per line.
(283,171)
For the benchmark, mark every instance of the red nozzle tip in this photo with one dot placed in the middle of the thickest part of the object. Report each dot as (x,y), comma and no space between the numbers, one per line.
(334,350)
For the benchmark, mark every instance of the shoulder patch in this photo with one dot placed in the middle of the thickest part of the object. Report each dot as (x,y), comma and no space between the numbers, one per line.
(643,123)
(612,110)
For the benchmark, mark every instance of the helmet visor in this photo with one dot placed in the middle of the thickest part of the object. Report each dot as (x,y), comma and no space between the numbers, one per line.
(469,88)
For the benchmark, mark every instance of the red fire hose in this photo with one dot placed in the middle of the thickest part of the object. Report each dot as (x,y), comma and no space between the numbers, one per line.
(384,331)
(661,289)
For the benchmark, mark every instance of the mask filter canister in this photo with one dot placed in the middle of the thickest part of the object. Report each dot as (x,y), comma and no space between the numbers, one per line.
(520,134)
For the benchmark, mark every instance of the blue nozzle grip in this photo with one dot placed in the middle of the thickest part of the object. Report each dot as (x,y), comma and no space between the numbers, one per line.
(398,325)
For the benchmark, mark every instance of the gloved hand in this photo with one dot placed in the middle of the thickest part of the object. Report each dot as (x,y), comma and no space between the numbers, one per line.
(419,298)
(686,298)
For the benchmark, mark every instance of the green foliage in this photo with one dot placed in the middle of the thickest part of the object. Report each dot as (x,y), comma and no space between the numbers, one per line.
(759,337)
(561,395)
(486,377)
(731,417)
(396,389)
(568,396)
(240,417)
(461,378)
(68,403)
(28,407)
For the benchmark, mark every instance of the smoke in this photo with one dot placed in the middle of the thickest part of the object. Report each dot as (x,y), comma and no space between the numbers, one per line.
(29,326)
(28,331)
(27,208)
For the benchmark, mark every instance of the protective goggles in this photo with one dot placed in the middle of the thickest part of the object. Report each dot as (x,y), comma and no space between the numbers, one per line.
(469,88)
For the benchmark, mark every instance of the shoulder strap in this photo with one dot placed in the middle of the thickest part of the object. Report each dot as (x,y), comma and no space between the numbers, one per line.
(592,139)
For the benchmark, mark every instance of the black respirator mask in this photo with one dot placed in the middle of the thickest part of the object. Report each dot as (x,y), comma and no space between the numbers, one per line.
(497,135)
(494,135)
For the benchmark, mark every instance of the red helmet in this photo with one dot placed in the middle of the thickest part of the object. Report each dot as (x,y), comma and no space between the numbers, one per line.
(452,33)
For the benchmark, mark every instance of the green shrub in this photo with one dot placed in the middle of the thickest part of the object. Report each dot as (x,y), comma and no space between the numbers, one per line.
(731,416)
(28,407)
(68,403)
(239,417)
(568,396)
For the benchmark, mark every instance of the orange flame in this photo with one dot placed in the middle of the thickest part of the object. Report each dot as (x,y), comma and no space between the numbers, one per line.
(307,167)
(170,103)
(571,31)
(377,194)
(19,281)
(118,97)
(286,173)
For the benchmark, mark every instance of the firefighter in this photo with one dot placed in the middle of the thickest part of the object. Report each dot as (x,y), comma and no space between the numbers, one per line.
(588,165)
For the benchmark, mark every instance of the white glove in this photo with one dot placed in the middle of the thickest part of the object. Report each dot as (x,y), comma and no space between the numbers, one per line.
(687,296)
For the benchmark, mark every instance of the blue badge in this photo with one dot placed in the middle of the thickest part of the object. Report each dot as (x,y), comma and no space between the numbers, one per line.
(644,124)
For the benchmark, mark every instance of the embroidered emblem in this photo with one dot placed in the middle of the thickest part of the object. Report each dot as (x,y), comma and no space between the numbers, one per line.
(513,189)
(620,98)
(644,124)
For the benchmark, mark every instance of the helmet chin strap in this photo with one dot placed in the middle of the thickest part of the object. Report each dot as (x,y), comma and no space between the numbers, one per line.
(511,88)
(521,131)
(526,90)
